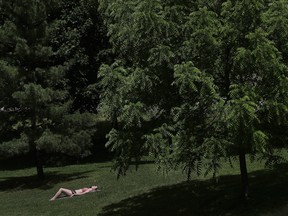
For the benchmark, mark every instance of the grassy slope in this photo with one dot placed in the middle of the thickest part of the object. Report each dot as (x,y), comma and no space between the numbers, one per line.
(22,194)
(145,192)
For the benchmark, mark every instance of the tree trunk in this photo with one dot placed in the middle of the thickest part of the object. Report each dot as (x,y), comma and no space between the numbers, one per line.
(39,165)
(115,121)
(227,72)
(244,175)
(37,156)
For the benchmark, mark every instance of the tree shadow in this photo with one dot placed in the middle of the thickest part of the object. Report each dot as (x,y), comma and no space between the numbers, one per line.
(31,182)
(269,191)
(142,162)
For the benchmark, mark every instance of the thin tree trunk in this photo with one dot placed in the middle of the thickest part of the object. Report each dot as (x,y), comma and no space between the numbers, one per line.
(244,175)
(37,156)
(37,159)
(115,121)
(39,165)
(227,71)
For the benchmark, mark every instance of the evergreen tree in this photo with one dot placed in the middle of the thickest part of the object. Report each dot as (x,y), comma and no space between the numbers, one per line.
(35,104)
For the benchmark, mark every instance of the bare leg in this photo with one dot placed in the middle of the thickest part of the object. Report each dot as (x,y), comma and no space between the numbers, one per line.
(62,190)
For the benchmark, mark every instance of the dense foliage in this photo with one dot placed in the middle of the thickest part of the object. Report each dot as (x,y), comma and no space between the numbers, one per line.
(185,82)
(195,81)
(43,107)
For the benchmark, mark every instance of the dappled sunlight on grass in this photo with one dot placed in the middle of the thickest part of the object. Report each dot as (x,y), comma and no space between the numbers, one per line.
(143,192)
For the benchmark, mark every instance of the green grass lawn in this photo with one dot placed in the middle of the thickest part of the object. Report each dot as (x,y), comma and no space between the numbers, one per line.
(145,192)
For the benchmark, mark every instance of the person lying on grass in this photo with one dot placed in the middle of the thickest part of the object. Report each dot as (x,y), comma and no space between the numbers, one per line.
(71,193)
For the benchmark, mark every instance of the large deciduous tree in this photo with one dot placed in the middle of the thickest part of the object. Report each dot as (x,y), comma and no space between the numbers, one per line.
(195,80)
(165,103)
(256,74)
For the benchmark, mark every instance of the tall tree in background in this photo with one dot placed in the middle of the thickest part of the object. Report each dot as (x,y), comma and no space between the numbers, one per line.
(35,104)
(79,39)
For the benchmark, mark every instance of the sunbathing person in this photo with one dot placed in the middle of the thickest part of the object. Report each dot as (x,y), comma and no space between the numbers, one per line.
(71,193)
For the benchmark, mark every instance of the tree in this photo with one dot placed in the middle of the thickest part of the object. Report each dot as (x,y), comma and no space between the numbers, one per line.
(255,72)
(158,95)
(36,107)
(78,37)
(195,80)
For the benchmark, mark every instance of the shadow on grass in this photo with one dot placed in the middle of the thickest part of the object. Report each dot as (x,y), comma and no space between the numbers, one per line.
(268,189)
(30,182)
(143,162)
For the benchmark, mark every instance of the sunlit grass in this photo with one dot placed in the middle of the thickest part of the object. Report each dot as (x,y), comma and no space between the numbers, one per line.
(22,194)
(22,189)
